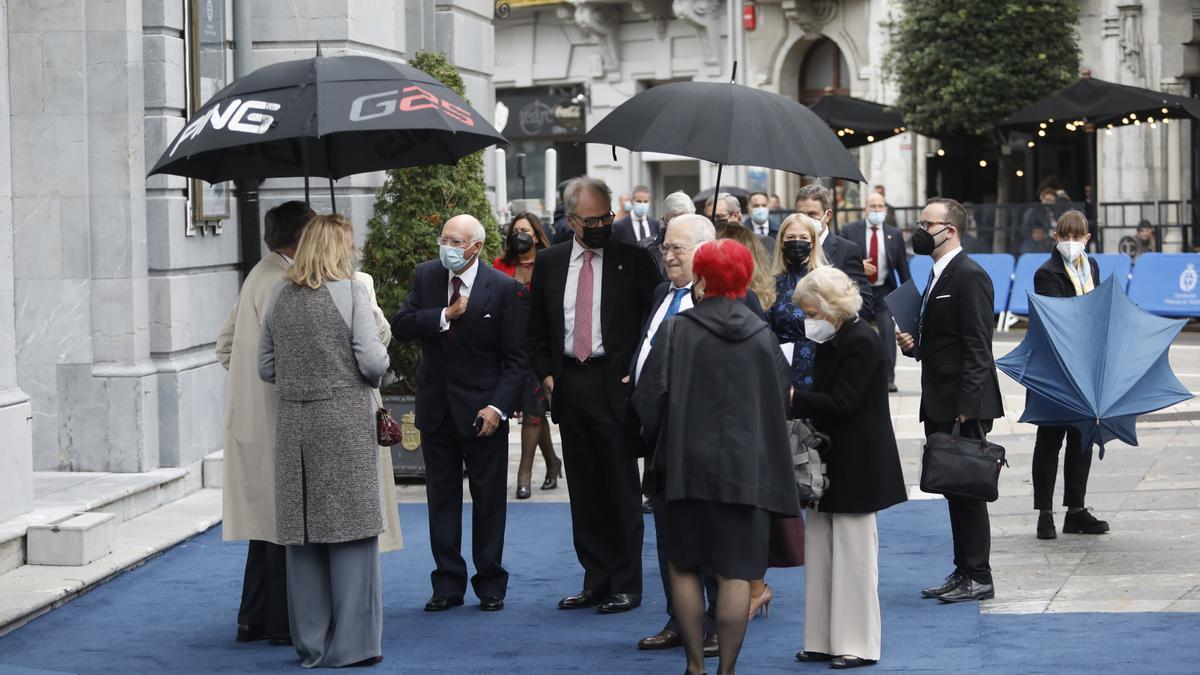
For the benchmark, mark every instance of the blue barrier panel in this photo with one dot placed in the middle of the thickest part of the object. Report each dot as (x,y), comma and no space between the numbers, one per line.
(918,267)
(1166,284)
(999,266)
(1119,264)
(1027,266)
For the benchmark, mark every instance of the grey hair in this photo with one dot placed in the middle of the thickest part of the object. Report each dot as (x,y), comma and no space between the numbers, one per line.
(575,186)
(834,293)
(731,203)
(478,231)
(677,203)
(701,228)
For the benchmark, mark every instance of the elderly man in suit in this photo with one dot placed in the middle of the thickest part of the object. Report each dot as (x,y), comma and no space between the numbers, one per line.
(958,379)
(588,300)
(816,202)
(886,267)
(639,225)
(467,319)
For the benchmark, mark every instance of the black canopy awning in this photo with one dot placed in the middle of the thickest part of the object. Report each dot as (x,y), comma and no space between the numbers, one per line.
(858,122)
(1100,103)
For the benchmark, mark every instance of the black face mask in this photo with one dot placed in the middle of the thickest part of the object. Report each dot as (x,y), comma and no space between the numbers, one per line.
(923,242)
(520,242)
(596,237)
(796,252)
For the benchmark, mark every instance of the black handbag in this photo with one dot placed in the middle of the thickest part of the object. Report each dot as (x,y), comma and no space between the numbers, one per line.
(957,466)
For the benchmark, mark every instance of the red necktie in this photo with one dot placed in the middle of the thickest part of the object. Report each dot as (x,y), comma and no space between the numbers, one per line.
(581,340)
(457,284)
(874,254)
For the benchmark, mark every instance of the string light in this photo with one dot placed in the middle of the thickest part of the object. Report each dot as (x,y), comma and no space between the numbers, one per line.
(983,163)
(903,129)
(1108,132)
(941,152)
(1133,116)
(1153,125)
(1150,120)
(870,139)
(1137,123)
(1043,125)
(1164,110)
(1031,144)
(1070,127)
(1051,120)
(1041,132)
(841,132)
(1166,120)
(1020,173)
(1124,120)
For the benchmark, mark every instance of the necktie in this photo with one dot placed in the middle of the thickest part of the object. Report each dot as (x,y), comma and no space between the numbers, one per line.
(641,230)
(925,297)
(456,283)
(874,255)
(581,339)
(672,310)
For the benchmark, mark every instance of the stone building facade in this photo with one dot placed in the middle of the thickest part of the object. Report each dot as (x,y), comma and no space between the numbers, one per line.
(111,293)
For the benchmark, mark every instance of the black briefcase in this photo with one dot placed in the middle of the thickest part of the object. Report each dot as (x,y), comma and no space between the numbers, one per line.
(957,466)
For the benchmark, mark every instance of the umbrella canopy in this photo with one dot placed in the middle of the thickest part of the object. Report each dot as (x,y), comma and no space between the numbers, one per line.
(857,122)
(328,117)
(706,194)
(727,124)
(1095,362)
(1098,102)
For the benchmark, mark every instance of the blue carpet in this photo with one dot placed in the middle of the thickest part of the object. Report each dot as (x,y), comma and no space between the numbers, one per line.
(176,614)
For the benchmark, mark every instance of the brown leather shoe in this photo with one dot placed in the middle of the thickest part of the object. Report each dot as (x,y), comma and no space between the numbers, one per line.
(711,647)
(664,639)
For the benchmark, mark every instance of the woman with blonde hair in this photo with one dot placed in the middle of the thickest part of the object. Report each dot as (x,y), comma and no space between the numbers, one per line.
(320,346)
(762,284)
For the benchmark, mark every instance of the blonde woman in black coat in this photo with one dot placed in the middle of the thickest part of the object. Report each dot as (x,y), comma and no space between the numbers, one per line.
(848,401)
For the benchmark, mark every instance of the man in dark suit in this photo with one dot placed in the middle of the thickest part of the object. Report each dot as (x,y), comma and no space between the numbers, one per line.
(729,212)
(958,379)
(886,267)
(473,367)
(816,202)
(761,221)
(639,225)
(588,300)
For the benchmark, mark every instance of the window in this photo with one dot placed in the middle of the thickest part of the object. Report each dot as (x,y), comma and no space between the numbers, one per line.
(206,71)
(823,71)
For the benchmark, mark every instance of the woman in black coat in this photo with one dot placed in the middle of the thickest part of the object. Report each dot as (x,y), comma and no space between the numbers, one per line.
(712,402)
(849,401)
(1068,273)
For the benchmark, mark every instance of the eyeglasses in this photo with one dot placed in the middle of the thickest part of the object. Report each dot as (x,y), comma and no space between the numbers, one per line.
(456,243)
(677,249)
(597,221)
(926,224)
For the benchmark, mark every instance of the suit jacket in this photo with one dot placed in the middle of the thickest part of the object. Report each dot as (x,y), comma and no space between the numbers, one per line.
(958,374)
(623,229)
(893,249)
(485,365)
(847,257)
(629,280)
(773,222)
(1052,280)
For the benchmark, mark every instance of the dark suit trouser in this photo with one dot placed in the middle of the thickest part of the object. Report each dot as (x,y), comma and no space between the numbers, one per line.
(1076,466)
(886,325)
(486,460)
(659,504)
(264,588)
(969,522)
(606,504)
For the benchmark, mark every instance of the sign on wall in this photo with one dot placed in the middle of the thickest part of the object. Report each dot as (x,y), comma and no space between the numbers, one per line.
(550,112)
(207,73)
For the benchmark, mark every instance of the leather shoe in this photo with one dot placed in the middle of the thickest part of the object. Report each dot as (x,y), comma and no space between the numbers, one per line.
(440,603)
(968,589)
(950,584)
(1045,526)
(1083,522)
(666,638)
(367,663)
(252,632)
(813,657)
(281,640)
(843,662)
(584,599)
(620,602)
(712,646)
(491,603)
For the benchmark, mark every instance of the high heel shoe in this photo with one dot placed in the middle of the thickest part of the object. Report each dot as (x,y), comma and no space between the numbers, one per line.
(761,604)
(552,477)
(523,492)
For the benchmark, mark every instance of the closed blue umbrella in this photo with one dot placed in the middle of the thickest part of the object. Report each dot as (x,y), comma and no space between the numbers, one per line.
(1095,362)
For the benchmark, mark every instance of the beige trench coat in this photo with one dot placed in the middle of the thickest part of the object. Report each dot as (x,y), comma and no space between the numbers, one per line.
(250,417)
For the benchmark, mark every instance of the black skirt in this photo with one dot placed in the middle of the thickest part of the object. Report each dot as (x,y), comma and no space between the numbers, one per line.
(730,539)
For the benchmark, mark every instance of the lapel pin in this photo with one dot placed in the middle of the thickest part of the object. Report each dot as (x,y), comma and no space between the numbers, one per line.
(620,267)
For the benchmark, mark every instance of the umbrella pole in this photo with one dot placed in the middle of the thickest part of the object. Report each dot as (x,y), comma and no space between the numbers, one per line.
(332,198)
(329,166)
(716,193)
(304,162)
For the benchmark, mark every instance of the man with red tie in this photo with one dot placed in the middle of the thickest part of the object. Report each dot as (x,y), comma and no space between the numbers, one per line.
(886,267)
(589,299)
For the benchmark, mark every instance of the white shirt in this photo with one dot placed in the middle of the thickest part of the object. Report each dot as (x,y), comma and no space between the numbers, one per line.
(286,259)
(762,229)
(940,266)
(882,275)
(468,281)
(685,303)
(570,292)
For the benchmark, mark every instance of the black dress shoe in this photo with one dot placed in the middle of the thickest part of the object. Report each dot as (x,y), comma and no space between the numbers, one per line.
(491,603)
(843,662)
(367,663)
(968,590)
(620,602)
(666,638)
(1083,522)
(252,632)
(712,646)
(584,599)
(892,388)
(440,603)
(813,657)
(950,584)
(523,492)
(1045,528)
(281,640)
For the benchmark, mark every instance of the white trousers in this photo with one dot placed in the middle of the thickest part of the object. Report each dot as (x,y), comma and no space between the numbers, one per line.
(841,581)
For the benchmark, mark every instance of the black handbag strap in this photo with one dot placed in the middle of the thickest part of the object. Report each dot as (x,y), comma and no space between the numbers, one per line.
(978,425)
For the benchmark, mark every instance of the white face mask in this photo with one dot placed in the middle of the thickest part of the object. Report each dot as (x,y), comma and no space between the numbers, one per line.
(818,330)
(1071,250)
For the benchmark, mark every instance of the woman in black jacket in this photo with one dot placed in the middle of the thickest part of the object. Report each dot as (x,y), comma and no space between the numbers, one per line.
(712,402)
(849,401)
(1069,272)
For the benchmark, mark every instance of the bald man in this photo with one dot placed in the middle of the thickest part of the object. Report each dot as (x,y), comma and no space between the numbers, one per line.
(466,317)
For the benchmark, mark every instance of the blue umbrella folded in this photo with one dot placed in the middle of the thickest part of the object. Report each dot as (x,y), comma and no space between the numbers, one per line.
(1095,362)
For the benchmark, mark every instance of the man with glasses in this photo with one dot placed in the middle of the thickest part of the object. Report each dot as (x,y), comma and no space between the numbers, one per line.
(816,202)
(729,213)
(958,379)
(588,300)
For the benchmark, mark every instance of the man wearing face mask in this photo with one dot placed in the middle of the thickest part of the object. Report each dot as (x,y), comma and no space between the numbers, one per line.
(638,226)
(589,299)
(815,201)
(729,212)
(886,267)
(958,379)
(468,321)
(761,221)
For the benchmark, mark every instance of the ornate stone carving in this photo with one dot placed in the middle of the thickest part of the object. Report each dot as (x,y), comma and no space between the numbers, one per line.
(1131,38)
(810,15)
(600,21)
(705,17)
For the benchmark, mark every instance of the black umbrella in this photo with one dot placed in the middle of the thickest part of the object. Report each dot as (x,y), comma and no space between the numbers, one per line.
(858,122)
(1092,101)
(326,116)
(727,124)
(703,196)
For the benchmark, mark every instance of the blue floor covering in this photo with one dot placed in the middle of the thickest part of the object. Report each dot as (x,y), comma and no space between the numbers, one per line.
(176,614)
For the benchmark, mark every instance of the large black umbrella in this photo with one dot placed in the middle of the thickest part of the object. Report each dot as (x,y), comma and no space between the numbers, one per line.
(858,122)
(329,117)
(1092,101)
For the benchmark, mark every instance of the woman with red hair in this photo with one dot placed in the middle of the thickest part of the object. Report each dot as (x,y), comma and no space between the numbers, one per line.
(712,399)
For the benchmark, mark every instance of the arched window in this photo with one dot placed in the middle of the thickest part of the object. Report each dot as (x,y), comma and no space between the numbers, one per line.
(823,71)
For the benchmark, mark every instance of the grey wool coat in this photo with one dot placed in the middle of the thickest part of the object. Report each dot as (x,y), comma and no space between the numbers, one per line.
(321,348)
